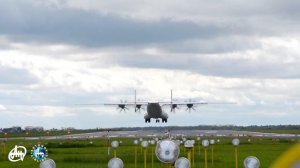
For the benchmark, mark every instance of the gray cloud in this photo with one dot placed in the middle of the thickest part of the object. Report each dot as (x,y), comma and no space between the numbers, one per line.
(27,21)
(237,28)
(15,76)
(221,44)
(55,25)
(259,63)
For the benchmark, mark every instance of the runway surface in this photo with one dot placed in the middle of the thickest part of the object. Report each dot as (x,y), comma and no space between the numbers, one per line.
(153,134)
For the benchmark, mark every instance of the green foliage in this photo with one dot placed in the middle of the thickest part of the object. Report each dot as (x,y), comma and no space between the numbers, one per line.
(84,154)
(76,144)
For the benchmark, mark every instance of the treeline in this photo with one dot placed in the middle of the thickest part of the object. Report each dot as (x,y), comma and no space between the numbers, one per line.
(206,127)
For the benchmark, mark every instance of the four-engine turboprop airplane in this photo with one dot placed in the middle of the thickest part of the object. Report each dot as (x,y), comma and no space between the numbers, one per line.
(154,109)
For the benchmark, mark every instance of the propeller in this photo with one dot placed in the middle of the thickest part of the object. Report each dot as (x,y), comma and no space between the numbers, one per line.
(122,106)
(174,107)
(138,108)
(190,105)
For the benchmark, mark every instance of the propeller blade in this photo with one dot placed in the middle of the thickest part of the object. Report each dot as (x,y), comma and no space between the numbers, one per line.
(174,107)
(138,107)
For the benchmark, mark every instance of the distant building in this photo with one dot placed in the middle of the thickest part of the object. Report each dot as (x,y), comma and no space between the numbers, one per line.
(34,129)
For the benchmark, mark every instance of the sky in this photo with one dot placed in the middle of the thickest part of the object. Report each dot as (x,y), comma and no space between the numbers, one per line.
(55,54)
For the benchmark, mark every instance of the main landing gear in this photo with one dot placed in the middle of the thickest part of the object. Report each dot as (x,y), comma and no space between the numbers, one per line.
(157,120)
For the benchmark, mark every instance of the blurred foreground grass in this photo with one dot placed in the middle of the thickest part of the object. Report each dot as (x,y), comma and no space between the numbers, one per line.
(93,153)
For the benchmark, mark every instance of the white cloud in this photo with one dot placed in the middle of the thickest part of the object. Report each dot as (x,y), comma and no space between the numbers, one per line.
(73,75)
(2,107)
(50,112)
(269,113)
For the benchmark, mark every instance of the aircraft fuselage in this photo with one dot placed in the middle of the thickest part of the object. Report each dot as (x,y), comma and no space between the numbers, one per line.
(155,111)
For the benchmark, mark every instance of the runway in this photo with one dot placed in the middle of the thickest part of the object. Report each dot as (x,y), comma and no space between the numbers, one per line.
(158,134)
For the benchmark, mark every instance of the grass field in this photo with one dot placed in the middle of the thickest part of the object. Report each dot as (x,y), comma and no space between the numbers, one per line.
(44,133)
(84,154)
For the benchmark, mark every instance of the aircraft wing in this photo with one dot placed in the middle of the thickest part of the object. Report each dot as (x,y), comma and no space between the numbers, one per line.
(124,106)
(190,105)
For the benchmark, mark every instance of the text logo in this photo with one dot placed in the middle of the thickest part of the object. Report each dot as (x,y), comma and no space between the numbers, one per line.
(17,153)
(39,153)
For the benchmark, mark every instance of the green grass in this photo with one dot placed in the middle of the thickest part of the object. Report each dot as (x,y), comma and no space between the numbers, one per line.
(82,154)
(44,133)
(279,131)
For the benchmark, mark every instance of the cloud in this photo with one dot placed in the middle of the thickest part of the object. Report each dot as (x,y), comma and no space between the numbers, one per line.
(72,26)
(100,24)
(15,76)
(267,17)
(58,53)
(235,45)
(183,9)
(263,61)
(83,75)
(50,112)
(71,77)
(2,107)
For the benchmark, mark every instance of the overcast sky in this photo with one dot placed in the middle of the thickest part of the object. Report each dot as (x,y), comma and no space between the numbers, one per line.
(58,53)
